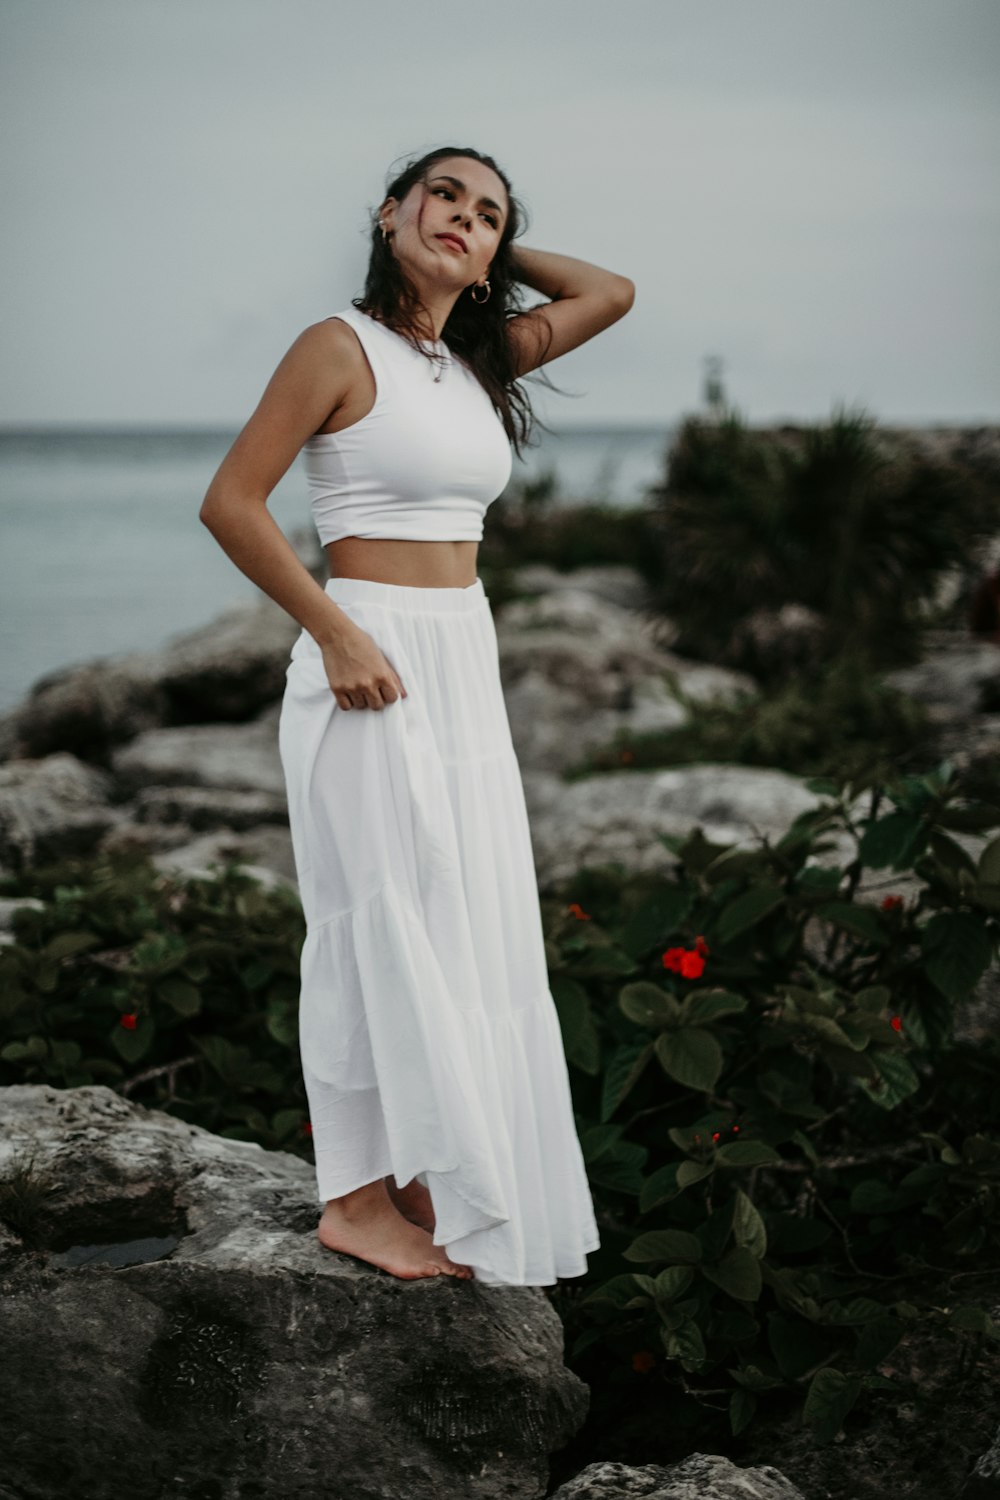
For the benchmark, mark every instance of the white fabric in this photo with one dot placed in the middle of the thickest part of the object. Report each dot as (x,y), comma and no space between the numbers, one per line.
(429,1037)
(426,461)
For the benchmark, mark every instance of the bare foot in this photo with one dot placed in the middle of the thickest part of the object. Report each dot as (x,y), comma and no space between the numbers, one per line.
(413,1202)
(368,1225)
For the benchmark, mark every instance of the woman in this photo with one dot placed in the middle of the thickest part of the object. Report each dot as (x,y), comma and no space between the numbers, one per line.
(430,1045)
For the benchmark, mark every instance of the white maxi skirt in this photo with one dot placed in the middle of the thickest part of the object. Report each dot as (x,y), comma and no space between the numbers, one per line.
(430,1042)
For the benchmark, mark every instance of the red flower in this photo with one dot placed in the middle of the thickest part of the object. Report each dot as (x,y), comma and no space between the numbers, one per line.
(673,959)
(307,1127)
(896,1022)
(128,1020)
(701,946)
(692,965)
(578,911)
(643,1361)
(891,902)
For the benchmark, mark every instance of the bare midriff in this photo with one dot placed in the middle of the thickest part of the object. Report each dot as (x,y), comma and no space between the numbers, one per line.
(426,565)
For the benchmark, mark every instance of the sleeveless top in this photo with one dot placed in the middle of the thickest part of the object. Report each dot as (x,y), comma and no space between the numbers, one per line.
(425,462)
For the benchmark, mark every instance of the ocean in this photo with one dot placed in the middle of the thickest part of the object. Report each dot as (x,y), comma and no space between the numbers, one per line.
(102,552)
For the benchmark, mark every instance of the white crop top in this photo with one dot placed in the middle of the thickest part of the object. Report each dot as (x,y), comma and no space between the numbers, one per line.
(425,462)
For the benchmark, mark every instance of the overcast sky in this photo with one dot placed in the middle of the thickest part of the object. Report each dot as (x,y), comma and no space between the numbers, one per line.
(807,188)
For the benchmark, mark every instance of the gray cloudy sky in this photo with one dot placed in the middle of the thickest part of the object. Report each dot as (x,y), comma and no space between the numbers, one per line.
(805,187)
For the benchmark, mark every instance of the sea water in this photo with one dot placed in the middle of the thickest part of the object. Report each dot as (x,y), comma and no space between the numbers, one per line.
(102,552)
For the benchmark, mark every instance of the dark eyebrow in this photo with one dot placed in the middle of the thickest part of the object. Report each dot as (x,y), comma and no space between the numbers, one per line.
(443,177)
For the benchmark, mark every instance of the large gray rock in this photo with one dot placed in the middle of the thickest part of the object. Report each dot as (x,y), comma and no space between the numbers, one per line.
(228,756)
(247,1360)
(51,809)
(617,817)
(702,1476)
(956,680)
(225,671)
(578,668)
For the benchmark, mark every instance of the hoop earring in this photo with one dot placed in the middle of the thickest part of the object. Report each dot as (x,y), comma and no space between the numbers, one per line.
(481,300)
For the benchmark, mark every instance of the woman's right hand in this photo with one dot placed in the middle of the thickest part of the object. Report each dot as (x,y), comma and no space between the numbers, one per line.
(359,674)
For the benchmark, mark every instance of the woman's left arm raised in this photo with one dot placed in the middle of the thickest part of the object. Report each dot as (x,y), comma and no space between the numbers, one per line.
(586,299)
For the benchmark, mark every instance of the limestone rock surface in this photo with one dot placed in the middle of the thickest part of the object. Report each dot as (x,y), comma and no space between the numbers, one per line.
(172,1327)
(701,1476)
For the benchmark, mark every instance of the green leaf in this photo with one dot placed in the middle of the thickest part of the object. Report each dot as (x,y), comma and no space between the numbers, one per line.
(704,1006)
(576,1021)
(863,921)
(672,1283)
(957,952)
(974,1320)
(283,1023)
(748,1226)
(691,1056)
(876,1341)
(746,1154)
(66,944)
(651,923)
(830,1397)
(286,1122)
(685,1344)
(742,1405)
(738,1273)
(181,996)
(898,1080)
(988,868)
(671,1245)
(893,840)
(648,1005)
(875,999)
(603,961)
(620,1170)
(949,853)
(754,1379)
(133,1045)
(690,1172)
(624,1068)
(747,910)
(618,1291)
(872,1197)
(256,973)
(659,1188)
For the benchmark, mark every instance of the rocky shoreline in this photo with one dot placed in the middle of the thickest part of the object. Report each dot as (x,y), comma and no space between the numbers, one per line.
(175,751)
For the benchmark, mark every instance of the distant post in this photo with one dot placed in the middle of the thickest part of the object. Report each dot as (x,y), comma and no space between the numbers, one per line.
(714,393)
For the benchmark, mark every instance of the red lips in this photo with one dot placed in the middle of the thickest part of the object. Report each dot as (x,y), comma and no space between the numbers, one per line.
(454,239)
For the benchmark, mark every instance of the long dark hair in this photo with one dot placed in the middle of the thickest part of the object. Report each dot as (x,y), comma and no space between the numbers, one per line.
(477,332)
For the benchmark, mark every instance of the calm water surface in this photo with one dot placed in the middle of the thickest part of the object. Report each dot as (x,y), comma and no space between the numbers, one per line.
(102,552)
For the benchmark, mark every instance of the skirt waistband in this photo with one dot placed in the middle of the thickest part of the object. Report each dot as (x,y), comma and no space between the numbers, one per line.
(411,598)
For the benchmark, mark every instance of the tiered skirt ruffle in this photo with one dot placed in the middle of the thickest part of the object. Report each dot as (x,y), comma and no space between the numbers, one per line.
(430,1042)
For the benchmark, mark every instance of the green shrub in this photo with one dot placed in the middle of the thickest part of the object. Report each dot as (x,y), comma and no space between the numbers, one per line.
(794,1157)
(749,520)
(180,992)
(843,723)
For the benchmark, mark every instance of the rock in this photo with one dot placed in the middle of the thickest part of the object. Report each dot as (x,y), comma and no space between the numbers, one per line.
(956,680)
(984,1481)
(205,1344)
(577,670)
(265,852)
(8,906)
(200,808)
(227,670)
(51,809)
(618,816)
(702,1476)
(616,583)
(226,756)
